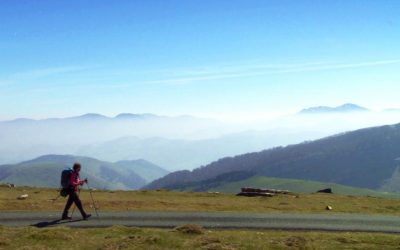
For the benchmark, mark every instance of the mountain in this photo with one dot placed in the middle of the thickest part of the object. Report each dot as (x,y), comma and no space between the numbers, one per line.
(176,154)
(136,116)
(345,108)
(24,139)
(146,170)
(175,143)
(45,171)
(363,158)
(89,116)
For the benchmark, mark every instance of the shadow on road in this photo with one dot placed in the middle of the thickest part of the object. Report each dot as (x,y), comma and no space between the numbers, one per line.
(53,223)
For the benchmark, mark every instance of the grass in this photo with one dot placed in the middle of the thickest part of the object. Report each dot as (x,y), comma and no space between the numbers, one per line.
(193,236)
(300,186)
(41,200)
(119,237)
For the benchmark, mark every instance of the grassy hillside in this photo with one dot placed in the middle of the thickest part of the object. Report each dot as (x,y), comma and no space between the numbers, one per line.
(297,186)
(147,170)
(364,158)
(176,154)
(45,171)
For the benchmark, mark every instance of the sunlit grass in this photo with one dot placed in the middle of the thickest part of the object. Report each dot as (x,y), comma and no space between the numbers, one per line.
(119,237)
(42,200)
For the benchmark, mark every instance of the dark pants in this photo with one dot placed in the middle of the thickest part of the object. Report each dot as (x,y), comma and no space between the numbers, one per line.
(73,197)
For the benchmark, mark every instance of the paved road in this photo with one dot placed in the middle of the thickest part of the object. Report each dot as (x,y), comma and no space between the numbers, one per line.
(221,220)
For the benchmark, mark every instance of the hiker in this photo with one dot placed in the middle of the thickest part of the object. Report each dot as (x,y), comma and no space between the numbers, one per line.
(72,191)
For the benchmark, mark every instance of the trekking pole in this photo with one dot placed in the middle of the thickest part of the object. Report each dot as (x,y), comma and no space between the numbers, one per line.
(94,205)
(73,210)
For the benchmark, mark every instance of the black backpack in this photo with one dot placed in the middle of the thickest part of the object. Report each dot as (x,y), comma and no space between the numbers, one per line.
(65,181)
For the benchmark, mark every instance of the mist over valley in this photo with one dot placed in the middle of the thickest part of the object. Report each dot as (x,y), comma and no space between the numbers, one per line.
(175,143)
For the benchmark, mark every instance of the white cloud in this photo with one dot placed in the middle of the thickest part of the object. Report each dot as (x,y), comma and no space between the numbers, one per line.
(41,73)
(224,72)
(38,73)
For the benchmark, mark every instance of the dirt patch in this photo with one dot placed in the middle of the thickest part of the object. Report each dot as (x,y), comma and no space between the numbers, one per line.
(130,242)
(143,239)
(206,240)
(190,229)
(347,240)
(296,242)
(125,229)
(4,242)
(210,243)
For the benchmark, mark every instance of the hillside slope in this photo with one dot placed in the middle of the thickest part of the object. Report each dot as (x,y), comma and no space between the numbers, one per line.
(345,108)
(174,154)
(362,158)
(45,171)
(297,186)
(146,170)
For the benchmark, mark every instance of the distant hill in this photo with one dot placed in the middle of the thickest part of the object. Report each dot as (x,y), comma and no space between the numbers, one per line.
(345,108)
(92,116)
(363,158)
(24,139)
(87,117)
(174,143)
(146,170)
(136,116)
(45,171)
(174,154)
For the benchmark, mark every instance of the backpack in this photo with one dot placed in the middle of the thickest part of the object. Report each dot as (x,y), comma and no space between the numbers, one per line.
(66,178)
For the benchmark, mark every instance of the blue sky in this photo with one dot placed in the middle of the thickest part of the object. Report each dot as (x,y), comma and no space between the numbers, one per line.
(210,58)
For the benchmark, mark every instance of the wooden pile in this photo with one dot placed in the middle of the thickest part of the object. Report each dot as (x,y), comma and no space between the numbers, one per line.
(249,191)
(9,185)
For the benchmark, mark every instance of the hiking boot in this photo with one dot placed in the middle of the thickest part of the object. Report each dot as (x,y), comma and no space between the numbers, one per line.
(86,216)
(66,217)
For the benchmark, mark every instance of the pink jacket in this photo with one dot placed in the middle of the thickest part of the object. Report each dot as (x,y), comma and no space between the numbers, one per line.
(75,180)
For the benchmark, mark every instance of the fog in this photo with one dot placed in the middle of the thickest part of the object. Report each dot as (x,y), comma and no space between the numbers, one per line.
(182,142)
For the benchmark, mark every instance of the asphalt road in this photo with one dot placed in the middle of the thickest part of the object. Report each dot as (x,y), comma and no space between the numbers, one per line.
(220,220)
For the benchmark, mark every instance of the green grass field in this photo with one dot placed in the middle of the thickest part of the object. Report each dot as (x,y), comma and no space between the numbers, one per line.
(42,200)
(118,237)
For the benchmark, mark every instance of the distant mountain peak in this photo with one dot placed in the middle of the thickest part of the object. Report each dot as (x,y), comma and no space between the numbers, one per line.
(91,116)
(134,116)
(65,158)
(345,108)
(21,120)
(97,117)
(351,106)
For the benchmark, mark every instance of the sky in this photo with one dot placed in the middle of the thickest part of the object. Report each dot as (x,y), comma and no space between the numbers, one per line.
(208,58)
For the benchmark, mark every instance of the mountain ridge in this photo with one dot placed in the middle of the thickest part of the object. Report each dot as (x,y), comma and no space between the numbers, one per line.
(44,171)
(362,158)
(88,116)
(345,108)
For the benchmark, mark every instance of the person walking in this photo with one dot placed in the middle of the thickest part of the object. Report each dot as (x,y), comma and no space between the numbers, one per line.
(72,193)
